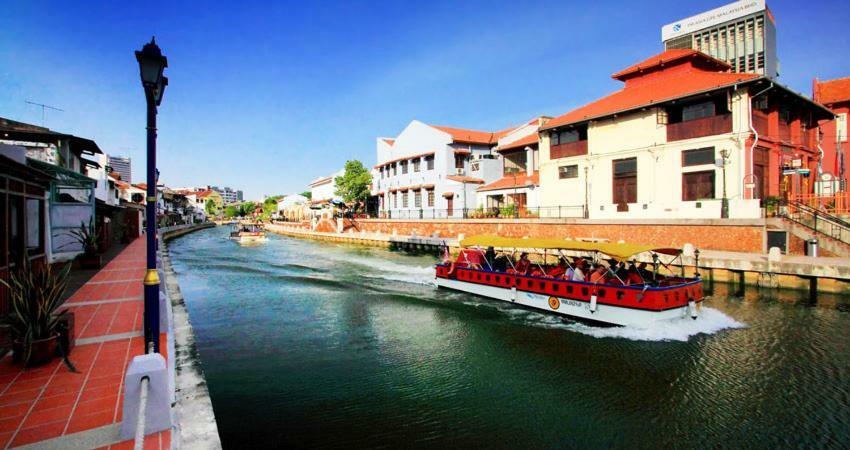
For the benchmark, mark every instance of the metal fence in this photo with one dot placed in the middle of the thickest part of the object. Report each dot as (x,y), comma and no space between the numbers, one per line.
(509,212)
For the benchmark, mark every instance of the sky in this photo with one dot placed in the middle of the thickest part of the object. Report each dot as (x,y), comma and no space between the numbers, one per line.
(267,96)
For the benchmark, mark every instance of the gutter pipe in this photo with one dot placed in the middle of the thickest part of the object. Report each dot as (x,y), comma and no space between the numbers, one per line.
(754,131)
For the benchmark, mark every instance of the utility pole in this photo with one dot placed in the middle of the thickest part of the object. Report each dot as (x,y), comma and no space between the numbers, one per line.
(43,107)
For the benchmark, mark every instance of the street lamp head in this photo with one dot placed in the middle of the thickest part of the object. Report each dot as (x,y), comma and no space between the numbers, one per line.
(151,67)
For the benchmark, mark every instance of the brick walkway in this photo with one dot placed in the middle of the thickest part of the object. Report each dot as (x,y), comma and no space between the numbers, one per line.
(50,401)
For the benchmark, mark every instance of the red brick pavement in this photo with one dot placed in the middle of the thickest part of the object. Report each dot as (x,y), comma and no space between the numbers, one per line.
(50,401)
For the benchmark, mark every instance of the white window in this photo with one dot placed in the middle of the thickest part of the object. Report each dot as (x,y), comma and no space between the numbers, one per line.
(841,127)
(404,199)
(417,199)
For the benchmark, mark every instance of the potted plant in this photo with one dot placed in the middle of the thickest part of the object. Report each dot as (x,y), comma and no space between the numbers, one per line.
(36,295)
(771,205)
(87,236)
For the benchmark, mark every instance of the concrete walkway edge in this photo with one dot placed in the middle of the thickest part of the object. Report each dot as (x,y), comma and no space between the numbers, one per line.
(196,426)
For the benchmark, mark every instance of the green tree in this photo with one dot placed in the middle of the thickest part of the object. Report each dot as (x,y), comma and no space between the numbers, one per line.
(232,211)
(210,208)
(353,185)
(247,208)
(307,194)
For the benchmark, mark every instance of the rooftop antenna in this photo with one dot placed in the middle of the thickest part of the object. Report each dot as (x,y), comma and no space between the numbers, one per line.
(43,107)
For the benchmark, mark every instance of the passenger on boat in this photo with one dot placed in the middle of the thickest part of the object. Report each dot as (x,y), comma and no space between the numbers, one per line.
(578,273)
(500,263)
(558,271)
(598,275)
(490,257)
(633,275)
(521,266)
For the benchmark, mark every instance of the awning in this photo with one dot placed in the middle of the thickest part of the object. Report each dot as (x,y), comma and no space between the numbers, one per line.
(614,250)
(448,194)
(462,151)
(61,175)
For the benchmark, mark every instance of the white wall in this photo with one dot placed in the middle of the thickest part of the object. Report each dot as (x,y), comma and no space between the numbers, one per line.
(660,170)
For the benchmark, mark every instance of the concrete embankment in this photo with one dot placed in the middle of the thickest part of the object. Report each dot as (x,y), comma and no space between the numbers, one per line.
(195,424)
(828,275)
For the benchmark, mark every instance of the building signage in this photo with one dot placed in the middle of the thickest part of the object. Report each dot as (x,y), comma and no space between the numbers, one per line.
(710,18)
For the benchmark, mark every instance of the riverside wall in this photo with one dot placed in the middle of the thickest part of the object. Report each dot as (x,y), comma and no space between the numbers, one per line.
(728,235)
(745,266)
(194,420)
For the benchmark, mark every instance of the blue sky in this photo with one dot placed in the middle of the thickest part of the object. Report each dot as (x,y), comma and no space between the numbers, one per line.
(266,97)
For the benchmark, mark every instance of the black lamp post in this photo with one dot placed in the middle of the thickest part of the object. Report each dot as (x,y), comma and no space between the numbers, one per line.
(151,67)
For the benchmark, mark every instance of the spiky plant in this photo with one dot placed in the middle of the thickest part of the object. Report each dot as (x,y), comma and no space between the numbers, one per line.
(87,236)
(36,295)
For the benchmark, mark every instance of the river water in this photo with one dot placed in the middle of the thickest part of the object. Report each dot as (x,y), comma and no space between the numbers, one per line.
(310,344)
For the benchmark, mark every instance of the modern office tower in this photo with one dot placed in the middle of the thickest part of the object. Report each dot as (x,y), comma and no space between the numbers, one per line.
(742,34)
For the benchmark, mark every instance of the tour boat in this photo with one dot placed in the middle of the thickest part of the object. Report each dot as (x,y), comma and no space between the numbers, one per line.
(248,233)
(647,297)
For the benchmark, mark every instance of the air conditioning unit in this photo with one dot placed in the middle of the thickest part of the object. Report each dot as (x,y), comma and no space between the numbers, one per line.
(460,172)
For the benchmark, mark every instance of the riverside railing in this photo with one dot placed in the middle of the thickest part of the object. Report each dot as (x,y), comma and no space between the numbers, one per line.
(528,212)
(818,221)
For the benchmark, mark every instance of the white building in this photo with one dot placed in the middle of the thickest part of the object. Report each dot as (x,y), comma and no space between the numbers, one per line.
(516,192)
(228,195)
(431,171)
(106,190)
(323,189)
(684,138)
(292,207)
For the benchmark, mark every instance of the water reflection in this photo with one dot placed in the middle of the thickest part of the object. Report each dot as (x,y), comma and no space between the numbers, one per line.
(310,344)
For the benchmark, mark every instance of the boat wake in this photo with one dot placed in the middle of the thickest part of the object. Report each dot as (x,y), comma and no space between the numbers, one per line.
(398,272)
(710,321)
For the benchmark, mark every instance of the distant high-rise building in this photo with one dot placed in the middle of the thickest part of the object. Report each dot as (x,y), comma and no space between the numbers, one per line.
(742,34)
(228,195)
(123,166)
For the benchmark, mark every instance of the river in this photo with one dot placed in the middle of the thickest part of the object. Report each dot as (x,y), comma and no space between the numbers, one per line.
(311,344)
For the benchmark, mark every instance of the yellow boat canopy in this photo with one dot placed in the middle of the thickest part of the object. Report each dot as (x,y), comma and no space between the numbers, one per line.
(614,250)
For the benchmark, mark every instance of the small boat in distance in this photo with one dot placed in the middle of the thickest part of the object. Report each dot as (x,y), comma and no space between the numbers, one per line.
(594,281)
(248,233)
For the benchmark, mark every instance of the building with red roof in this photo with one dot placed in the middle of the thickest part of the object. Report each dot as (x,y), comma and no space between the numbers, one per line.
(434,170)
(663,144)
(835,95)
(517,189)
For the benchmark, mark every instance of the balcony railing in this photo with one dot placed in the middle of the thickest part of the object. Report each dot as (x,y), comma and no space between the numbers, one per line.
(568,149)
(707,126)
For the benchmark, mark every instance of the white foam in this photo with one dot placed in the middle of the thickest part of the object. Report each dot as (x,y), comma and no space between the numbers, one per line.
(710,321)
(378,268)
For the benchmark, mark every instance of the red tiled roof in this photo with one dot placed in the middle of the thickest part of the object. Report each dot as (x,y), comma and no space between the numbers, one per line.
(321,180)
(464,179)
(666,57)
(832,91)
(204,194)
(389,141)
(656,88)
(470,136)
(531,139)
(420,155)
(507,182)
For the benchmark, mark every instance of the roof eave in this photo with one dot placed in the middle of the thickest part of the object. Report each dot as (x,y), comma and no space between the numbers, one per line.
(652,104)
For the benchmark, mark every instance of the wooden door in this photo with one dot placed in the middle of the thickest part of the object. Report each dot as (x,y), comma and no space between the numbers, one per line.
(450,206)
